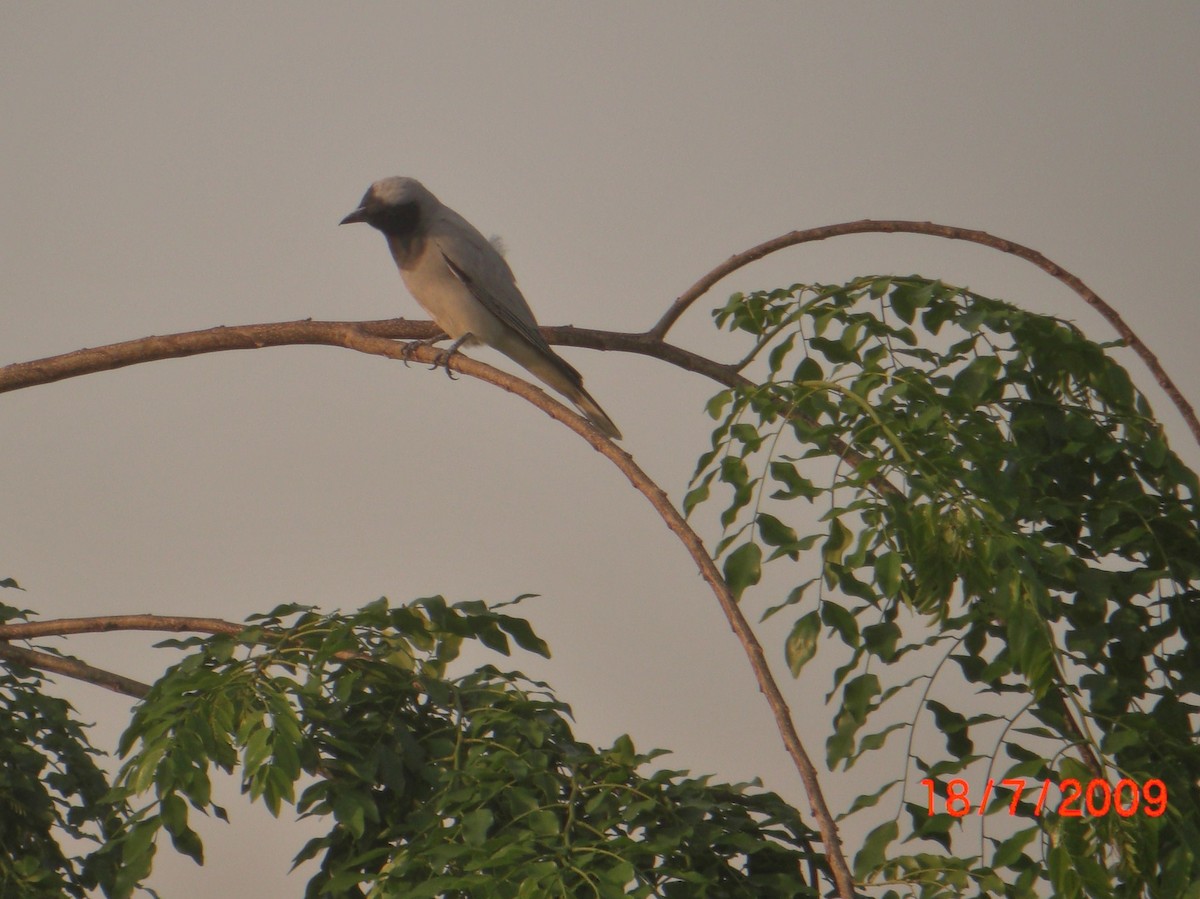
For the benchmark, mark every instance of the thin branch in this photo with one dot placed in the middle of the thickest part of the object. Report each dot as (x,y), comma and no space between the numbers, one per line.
(869,226)
(44,661)
(191,343)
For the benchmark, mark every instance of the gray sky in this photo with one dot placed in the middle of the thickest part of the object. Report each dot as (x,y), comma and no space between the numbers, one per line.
(172,167)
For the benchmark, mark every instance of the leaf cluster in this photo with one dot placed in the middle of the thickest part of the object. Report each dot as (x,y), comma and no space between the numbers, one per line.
(51,789)
(986,486)
(434,785)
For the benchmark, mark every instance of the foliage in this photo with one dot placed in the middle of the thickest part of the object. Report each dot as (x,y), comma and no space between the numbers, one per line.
(50,787)
(994,496)
(435,785)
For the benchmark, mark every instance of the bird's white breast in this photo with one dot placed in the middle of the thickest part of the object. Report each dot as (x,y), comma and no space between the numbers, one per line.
(448,301)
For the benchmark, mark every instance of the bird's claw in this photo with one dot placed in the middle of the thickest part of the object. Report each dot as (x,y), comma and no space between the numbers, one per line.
(443,359)
(407,351)
(410,347)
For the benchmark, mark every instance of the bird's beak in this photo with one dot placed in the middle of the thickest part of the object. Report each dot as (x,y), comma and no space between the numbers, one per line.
(358,215)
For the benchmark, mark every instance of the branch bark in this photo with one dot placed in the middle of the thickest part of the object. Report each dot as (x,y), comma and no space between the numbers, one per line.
(100,624)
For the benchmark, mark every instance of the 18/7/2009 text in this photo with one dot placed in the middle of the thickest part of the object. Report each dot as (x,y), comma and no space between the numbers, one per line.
(1097,798)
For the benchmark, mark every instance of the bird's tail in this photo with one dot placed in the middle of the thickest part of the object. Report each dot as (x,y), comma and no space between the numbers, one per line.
(556,372)
(592,412)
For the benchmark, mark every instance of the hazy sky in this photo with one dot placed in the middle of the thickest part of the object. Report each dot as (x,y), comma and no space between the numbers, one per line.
(170,167)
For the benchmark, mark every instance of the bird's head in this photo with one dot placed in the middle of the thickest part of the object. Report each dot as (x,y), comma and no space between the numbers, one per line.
(393,205)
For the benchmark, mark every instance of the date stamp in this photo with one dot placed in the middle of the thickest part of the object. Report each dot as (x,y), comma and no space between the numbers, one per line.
(1075,800)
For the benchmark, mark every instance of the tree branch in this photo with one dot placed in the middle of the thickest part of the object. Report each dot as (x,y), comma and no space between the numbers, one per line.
(191,343)
(44,661)
(949,232)
(73,668)
(99,624)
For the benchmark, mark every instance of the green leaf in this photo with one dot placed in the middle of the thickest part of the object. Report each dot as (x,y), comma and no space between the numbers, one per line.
(257,751)
(802,642)
(953,726)
(774,532)
(888,573)
(842,621)
(696,495)
(881,639)
(544,823)
(350,810)
(779,353)
(715,407)
(743,568)
(809,369)
(874,850)
(185,840)
(476,825)
(794,484)
(833,350)
(872,742)
(858,695)
(521,631)
(905,301)
(976,379)
(869,800)
(839,540)
(1009,852)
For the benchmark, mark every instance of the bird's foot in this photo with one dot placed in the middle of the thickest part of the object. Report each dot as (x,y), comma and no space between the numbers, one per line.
(443,358)
(411,346)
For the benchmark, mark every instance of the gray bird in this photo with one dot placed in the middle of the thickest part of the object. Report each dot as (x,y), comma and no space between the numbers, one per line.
(463,282)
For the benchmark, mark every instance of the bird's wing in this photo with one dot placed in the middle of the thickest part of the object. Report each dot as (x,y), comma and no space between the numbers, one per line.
(481,268)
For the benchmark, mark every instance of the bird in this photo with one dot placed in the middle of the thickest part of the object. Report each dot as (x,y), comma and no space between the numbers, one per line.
(461,279)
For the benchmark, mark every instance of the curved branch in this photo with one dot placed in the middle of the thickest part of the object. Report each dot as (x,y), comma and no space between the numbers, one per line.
(949,232)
